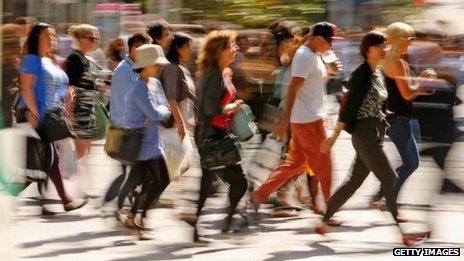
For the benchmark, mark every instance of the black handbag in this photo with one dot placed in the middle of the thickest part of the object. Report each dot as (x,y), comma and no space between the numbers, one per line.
(219,153)
(39,159)
(124,144)
(55,126)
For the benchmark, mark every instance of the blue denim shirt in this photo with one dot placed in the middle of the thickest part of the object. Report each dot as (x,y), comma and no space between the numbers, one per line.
(122,81)
(147,106)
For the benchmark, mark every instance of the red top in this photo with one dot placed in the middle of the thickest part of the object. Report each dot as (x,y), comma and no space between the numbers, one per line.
(224,121)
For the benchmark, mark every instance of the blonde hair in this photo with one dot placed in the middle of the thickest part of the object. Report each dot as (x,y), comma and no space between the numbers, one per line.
(82,31)
(398,31)
(211,47)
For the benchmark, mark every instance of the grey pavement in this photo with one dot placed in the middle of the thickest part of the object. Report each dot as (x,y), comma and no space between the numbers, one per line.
(87,234)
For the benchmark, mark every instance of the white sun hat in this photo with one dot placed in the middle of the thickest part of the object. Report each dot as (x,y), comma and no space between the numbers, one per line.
(148,55)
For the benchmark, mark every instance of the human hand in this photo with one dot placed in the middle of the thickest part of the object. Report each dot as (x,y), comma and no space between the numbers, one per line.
(32,119)
(281,130)
(233,107)
(181,131)
(429,73)
(334,68)
(327,144)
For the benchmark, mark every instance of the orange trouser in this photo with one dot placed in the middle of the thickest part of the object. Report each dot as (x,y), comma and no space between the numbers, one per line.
(307,138)
(291,151)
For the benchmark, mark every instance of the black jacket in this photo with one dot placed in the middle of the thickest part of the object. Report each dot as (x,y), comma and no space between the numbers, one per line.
(359,84)
(210,91)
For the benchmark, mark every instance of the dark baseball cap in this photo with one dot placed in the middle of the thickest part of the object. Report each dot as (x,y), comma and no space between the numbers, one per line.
(326,30)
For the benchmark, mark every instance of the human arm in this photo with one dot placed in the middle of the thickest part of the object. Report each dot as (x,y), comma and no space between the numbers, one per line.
(172,77)
(295,85)
(27,91)
(302,64)
(179,120)
(327,144)
(29,70)
(399,71)
(152,103)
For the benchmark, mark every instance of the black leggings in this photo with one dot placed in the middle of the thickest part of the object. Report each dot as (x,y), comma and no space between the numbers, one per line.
(153,177)
(232,175)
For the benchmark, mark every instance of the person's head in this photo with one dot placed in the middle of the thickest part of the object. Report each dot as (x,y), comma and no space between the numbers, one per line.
(400,36)
(149,60)
(243,42)
(284,40)
(274,24)
(135,41)
(321,36)
(180,50)
(161,33)
(86,37)
(41,40)
(24,25)
(374,46)
(217,50)
(10,43)
(116,49)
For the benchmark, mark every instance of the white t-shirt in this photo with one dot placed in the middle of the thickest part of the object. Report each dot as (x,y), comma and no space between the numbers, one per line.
(309,101)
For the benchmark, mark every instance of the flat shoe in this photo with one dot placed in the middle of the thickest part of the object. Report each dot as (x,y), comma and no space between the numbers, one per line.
(73,205)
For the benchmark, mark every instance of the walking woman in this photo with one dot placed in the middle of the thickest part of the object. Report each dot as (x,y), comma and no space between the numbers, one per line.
(178,83)
(179,88)
(216,105)
(147,107)
(82,71)
(43,88)
(404,129)
(362,116)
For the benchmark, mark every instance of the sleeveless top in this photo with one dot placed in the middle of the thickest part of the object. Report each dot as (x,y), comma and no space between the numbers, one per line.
(396,104)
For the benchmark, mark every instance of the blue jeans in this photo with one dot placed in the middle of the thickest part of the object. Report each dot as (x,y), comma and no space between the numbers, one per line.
(404,132)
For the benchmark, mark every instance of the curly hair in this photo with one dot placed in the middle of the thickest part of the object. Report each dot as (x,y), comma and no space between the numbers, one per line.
(112,51)
(211,47)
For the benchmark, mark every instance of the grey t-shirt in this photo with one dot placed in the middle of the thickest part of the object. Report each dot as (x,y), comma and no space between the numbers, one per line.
(179,86)
(176,83)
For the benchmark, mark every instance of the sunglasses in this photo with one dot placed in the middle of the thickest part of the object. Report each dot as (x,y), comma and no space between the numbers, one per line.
(93,39)
(411,38)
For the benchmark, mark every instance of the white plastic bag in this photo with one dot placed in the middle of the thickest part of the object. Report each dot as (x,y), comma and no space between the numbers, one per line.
(176,151)
(13,148)
(265,160)
(67,156)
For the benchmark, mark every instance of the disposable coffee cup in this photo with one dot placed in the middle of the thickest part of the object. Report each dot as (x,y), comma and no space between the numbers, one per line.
(330,58)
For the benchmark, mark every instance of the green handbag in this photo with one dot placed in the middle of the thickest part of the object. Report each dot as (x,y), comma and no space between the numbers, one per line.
(102,121)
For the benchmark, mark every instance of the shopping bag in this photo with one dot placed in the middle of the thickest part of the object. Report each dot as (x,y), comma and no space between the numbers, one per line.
(177,151)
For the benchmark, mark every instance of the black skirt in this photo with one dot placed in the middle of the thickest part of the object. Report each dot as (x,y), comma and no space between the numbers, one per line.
(84,118)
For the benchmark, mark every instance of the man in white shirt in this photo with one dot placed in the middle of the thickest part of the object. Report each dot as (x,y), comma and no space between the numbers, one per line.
(304,113)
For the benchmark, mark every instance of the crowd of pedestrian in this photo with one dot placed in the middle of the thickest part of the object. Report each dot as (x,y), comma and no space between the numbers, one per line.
(152,89)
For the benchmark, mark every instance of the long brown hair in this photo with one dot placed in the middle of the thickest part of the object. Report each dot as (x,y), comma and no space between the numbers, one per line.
(211,47)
